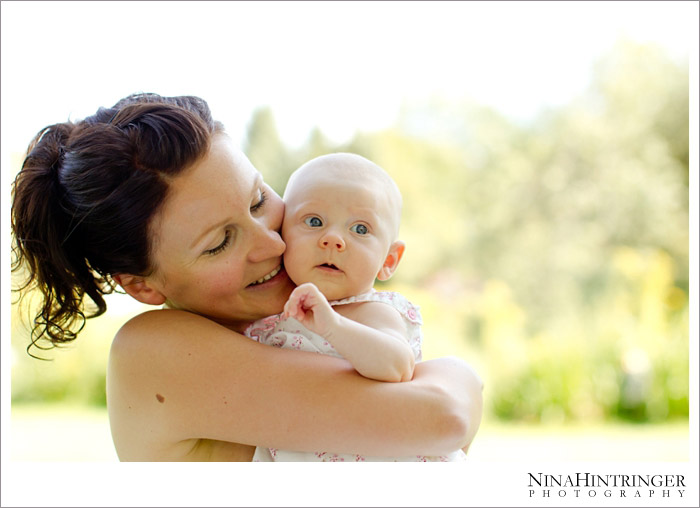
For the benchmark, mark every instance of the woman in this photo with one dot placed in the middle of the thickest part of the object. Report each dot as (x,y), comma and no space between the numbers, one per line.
(152,195)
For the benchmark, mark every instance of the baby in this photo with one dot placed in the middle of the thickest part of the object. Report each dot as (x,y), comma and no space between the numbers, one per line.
(341,227)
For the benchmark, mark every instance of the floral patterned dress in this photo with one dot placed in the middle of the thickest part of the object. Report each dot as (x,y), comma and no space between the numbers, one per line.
(291,334)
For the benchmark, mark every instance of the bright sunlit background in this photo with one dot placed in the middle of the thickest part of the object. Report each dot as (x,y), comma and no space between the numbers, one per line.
(542,150)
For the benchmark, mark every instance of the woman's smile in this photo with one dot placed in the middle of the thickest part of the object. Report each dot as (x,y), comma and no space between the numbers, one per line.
(274,277)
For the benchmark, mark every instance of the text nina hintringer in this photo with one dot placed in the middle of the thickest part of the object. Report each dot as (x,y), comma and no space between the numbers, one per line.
(610,485)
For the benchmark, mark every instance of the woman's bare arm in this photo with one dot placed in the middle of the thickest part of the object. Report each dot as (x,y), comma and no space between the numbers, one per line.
(174,376)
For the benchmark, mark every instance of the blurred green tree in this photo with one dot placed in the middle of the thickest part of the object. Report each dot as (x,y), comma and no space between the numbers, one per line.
(553,255)
(552,212)
(266,151)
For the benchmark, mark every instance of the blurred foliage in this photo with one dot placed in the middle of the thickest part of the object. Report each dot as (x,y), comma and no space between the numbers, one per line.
(74,373)
(553,256)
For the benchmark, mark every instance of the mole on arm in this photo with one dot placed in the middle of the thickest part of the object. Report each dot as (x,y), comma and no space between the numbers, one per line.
(160,398)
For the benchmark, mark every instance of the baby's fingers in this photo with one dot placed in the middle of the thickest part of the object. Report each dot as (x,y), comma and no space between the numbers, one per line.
(291,308)
(296,305)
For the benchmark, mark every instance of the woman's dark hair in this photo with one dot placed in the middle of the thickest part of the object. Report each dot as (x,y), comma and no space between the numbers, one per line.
(85,197)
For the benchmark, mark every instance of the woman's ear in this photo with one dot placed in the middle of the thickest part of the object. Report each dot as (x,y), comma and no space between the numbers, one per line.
(139,289)
(392,260)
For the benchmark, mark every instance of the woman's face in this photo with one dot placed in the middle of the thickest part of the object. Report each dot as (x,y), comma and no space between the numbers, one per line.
(216,246)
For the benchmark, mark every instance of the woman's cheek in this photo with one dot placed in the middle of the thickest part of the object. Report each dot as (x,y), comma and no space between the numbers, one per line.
(222,282)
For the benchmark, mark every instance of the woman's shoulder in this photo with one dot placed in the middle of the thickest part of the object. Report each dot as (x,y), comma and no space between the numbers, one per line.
(161,369)
(151,326)
(155,332)
(155,324)
(155,319)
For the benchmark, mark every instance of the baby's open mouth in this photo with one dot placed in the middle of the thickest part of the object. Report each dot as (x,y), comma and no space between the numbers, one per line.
(329,266)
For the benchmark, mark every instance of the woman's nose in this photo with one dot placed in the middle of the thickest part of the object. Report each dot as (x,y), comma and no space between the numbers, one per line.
(332,240)
(267,243)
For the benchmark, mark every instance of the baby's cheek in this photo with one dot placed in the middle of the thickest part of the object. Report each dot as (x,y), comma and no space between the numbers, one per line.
(291,255)
(291,265)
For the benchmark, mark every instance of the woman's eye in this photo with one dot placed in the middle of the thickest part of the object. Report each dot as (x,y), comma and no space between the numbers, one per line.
(222,246)
(261,202)
(360,229)
(313,222)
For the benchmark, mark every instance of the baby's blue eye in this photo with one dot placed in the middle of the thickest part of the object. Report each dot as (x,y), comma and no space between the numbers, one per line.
(360,229)
(313,222)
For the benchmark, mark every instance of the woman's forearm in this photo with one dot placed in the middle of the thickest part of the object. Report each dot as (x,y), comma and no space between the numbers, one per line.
(176,376)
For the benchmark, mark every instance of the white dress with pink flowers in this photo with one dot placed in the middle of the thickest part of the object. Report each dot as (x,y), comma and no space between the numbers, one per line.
(291,334)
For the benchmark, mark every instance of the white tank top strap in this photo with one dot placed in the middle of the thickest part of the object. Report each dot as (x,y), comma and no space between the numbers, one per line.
(410,311)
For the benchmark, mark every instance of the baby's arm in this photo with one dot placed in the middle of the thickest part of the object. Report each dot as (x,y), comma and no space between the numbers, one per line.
(373,337)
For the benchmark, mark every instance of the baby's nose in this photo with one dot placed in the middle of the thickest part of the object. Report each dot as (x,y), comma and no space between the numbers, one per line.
(333,241)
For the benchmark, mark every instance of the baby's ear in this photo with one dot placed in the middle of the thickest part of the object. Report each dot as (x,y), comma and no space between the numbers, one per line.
(392,260)
(139,289)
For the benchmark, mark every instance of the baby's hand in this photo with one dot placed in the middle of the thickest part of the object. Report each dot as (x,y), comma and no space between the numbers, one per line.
(309,306)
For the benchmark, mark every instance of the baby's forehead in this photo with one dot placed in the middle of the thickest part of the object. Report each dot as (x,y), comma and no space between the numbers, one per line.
(342,170)
(339,193)
(363,180)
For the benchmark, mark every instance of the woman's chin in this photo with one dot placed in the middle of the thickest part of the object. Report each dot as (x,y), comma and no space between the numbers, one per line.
(271,295)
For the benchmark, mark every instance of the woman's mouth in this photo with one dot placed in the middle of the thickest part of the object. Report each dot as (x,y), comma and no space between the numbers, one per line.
(266,277)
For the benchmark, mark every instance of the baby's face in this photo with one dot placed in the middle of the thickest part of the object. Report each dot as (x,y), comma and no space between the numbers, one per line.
(338,233)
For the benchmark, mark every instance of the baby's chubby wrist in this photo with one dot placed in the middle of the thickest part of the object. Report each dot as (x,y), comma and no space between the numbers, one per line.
(335,327)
